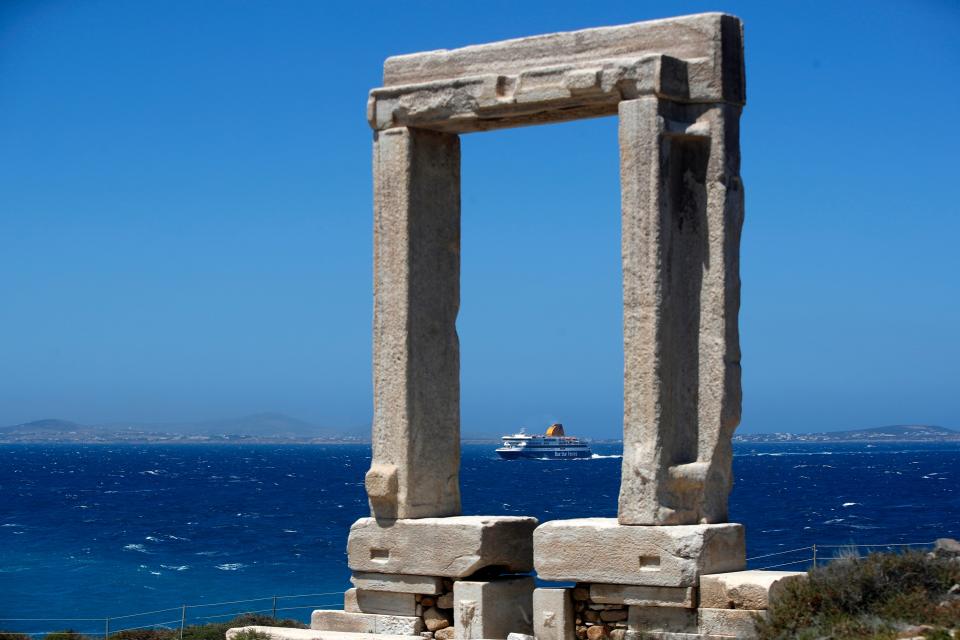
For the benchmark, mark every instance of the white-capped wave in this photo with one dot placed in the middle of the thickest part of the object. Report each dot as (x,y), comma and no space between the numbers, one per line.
(597,456)
(136,547)
(169,567)
(849,504)
(231,566)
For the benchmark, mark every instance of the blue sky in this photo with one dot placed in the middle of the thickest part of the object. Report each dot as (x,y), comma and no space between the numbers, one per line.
(185,216)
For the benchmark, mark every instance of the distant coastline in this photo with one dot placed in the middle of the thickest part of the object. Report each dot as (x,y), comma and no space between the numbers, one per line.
(278,429)
(894,433)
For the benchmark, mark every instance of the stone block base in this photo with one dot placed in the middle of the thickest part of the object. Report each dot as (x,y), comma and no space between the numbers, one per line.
(744,589)
(635,595)
(424,585)
(553,617)
(381,602)
(600,550)
(365,607)
(285,633)
(454,547)
(735,623)
(493,609)
(326,620)
(668,619)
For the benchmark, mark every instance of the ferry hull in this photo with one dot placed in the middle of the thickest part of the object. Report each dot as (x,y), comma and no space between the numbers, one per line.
(547,454)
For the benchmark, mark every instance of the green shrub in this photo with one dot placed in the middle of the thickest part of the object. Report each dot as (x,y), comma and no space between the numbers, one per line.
(872,597)
(145,634)
(218,630)
(66,634)
(13,635)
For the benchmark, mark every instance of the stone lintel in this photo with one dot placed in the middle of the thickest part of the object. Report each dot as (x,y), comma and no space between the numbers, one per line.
(397,583)
(644,596)
(744,589)
(715,38)
(455,547)
(600,550)
(537,96)
(562,76)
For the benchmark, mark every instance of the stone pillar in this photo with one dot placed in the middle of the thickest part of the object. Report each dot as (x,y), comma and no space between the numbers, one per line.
(416,353)
(682,206)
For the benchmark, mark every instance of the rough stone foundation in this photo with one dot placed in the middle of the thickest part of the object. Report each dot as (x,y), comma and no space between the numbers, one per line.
(721,606)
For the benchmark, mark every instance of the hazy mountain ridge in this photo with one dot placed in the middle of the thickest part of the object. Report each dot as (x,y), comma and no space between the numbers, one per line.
(892,433)
(259,427)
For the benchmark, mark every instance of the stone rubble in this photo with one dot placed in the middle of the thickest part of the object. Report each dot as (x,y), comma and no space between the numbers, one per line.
(629,612)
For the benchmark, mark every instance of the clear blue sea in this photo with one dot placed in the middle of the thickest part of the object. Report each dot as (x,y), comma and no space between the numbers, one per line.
(94,531)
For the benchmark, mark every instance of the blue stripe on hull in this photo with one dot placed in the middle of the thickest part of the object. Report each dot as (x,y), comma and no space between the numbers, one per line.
(543,455)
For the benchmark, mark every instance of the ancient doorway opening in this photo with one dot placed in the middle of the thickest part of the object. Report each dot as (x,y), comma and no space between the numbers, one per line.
(540,320)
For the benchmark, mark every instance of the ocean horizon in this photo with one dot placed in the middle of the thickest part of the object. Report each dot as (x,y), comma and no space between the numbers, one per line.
(96,531)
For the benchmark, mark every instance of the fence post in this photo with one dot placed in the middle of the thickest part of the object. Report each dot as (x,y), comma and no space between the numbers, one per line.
(814,556)
(274,607)
(183,619)
(106,629)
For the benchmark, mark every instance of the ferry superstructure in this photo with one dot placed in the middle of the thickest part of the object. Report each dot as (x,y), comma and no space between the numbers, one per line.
(553,445)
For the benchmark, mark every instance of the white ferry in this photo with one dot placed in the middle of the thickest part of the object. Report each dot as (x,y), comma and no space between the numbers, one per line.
(554,445)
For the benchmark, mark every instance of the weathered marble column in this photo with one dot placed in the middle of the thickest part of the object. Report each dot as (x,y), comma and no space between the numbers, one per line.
(682,214)
(416,352)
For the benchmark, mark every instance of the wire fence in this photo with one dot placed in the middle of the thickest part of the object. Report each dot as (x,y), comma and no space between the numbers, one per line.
(818,554)
(171,618)
(185,615)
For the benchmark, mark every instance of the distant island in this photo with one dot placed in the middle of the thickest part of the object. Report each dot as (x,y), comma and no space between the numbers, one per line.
(260,428)
(895,433)
(277,428)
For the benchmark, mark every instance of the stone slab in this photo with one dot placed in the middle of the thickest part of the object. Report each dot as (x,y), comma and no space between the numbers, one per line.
(493,609)
(562,76)
(599,550)
(389,603)
(350,601)
(553,616)
(744,589)
(713,37)
(635,595)
(738,623)
(682,212)
(663,619)
(534,96)
(414,470)
(285,633)
(666,635)
(399,583)
(454,547)
(328,620)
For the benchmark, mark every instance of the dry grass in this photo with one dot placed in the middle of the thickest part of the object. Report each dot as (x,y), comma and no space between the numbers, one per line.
(875,597)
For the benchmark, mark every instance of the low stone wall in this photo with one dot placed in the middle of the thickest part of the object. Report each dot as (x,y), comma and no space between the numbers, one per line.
(724,605)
